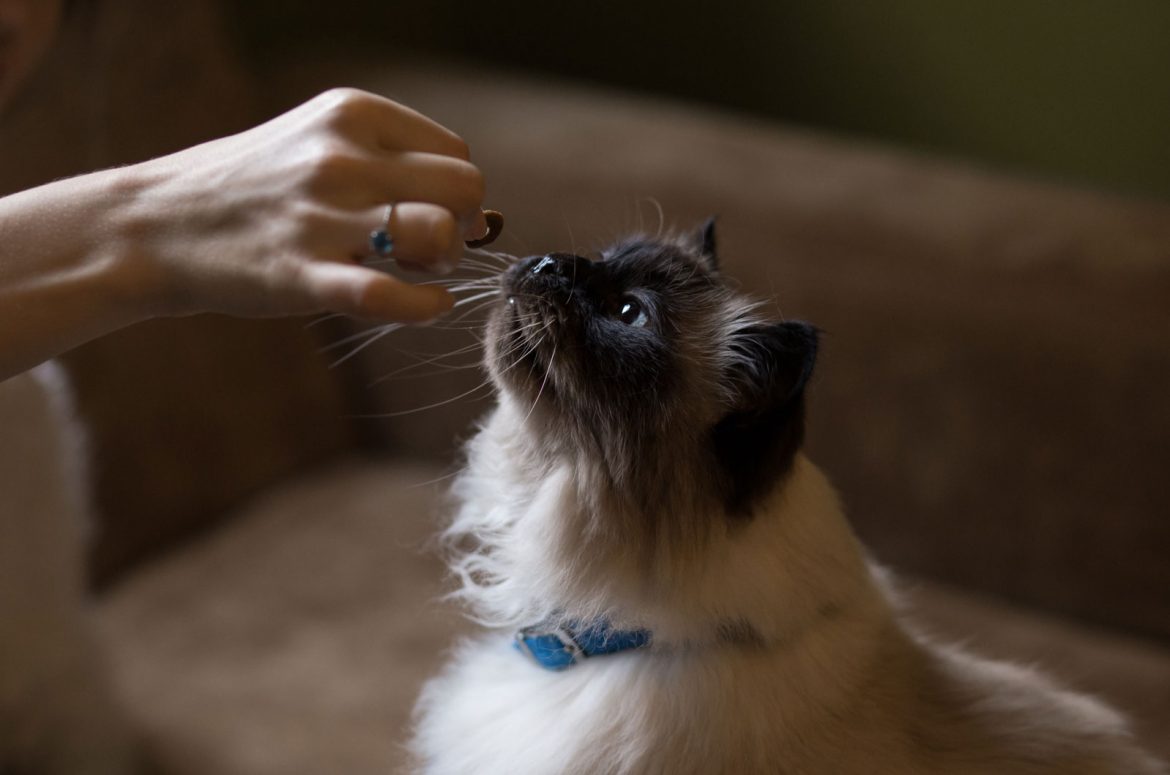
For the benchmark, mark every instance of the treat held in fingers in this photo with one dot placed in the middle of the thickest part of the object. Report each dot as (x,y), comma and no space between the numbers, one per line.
(495,225)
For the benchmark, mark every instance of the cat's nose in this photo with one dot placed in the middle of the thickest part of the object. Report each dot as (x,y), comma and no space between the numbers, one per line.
(564,265)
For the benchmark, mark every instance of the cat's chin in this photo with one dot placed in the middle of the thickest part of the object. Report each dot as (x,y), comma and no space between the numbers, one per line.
(529,382)
(526,344)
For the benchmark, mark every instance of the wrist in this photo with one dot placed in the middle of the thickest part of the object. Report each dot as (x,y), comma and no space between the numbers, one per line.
(127,248)
(68,272)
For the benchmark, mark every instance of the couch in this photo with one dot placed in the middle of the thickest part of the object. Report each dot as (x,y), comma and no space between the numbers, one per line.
(992,403)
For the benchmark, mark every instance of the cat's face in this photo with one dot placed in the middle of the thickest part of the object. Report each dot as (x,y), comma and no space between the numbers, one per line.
(647,362)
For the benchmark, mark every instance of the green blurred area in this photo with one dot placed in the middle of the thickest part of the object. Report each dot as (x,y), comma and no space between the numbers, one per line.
(1072,90)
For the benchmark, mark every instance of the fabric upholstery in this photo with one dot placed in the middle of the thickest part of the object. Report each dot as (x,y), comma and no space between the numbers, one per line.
(294,639)
(991,393)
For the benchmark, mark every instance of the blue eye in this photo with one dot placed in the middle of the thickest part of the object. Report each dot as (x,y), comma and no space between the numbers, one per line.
(631,312)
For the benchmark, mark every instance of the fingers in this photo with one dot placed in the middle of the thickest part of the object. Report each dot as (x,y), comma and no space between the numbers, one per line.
(356,181)
(425,236)
(390,153)
(409,158)
(398,128)
(412,179)
(423,177)
(366,293)
(387,124)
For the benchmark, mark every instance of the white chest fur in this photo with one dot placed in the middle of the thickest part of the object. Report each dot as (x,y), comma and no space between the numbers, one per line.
(829,681)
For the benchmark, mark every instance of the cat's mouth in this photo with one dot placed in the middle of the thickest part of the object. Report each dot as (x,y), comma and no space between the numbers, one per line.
(535,324)
(539,321)
(522,349)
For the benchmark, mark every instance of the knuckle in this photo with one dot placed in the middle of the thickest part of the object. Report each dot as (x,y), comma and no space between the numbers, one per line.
(307,221)
(343,105)
(330,162)
(341,96)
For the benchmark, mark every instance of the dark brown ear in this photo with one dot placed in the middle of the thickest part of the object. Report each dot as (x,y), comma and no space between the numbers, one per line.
(705,240)
(757,439)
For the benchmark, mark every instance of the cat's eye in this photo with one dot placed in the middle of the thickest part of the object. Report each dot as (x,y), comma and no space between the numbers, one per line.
(631,313)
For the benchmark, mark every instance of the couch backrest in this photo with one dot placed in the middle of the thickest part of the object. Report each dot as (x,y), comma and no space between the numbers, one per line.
(993,397)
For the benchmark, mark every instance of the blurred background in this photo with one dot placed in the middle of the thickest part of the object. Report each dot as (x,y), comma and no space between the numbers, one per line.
(972,200)
(1075,90)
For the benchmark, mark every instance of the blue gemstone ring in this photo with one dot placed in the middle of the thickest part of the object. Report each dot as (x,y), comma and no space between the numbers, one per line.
(381,243)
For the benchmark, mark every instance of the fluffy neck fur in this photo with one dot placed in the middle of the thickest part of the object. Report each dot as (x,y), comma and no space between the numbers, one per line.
(643,465)
(537,537)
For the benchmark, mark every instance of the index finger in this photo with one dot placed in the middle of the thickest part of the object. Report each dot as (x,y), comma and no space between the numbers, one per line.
(399,128)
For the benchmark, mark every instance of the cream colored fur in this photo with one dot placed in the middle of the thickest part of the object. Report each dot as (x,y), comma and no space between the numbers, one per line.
(831,679)
(57,713)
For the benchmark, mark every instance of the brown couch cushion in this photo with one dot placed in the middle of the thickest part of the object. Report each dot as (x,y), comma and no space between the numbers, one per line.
(188,417)
(293,640)
(991,396)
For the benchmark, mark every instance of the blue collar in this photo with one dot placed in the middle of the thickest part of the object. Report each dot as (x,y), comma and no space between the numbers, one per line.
(558,647)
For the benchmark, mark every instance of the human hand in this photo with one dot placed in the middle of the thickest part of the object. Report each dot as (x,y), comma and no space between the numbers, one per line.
(275,220)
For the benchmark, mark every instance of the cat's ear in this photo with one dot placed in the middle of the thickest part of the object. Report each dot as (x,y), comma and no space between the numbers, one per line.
(756,440)
(773,364)
(705,243)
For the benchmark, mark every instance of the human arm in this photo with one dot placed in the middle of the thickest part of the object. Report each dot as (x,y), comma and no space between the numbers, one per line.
(268,222)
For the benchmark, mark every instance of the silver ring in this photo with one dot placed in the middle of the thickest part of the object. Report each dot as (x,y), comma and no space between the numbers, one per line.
(381,243)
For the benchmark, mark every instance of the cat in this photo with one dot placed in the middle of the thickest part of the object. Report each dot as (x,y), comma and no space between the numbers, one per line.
(669,585)
(59,714)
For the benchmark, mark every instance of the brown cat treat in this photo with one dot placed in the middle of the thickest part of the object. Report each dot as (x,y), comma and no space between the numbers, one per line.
(495,224)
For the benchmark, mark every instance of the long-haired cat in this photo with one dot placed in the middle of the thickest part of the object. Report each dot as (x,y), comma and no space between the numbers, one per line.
(669,586)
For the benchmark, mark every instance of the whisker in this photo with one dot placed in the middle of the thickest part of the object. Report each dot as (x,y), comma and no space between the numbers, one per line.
(386,330)
(470,325)
(373,334)
(484,275)
(359,335)
(522,356)
(661,215)
(569,228)
(477,308)
(462,287)
(441,368)
(436,405)
(522,344)
(484,252)
(377,334)
(543,382)
(476,297)
(463,264)
(507,258)
(437,479)
(424,361)
(482,264)
(323,318)
(461,280)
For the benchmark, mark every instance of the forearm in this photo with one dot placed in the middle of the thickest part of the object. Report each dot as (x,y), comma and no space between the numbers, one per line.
(67,274)
(272,221)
